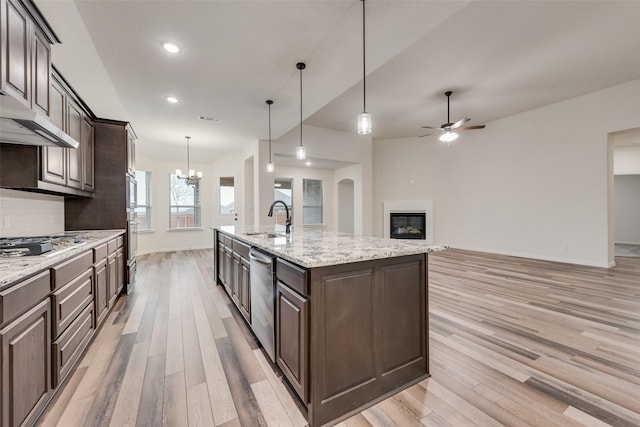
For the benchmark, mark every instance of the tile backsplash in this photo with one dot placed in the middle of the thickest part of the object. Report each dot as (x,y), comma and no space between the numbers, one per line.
(30,214)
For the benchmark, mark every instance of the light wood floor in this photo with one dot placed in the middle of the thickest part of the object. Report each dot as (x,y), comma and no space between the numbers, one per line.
(513,342)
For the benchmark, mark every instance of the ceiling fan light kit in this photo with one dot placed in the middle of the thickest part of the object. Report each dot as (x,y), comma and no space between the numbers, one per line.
(449,135)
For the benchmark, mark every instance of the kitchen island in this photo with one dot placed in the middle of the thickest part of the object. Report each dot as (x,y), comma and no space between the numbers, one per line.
(351,312)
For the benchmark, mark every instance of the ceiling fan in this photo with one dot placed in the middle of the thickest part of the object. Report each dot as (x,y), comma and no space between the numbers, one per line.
(448,129)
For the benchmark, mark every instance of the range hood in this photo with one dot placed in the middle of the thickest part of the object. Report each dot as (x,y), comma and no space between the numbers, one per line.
(19,125)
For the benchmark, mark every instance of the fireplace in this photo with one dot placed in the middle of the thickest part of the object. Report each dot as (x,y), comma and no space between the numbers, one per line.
(417,214)
(407,225)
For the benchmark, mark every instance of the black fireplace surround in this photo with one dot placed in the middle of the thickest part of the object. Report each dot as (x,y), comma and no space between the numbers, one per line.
(409,225)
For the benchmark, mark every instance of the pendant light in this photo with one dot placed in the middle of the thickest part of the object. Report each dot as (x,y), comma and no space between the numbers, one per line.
(192,177)
(300,153)
(364,118)
(270,167)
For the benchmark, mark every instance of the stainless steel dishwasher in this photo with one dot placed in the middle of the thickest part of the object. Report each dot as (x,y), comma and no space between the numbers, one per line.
(263,299)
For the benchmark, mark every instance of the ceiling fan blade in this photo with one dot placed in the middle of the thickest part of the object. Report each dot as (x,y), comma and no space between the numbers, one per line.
(422,136)
(472,127)
(427,127)
(460,123)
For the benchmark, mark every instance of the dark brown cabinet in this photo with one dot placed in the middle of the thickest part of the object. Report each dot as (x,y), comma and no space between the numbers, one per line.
(25,59)
(101,297)
(244,281)
(26,365)
(233,271)
(56,170)
(292,347)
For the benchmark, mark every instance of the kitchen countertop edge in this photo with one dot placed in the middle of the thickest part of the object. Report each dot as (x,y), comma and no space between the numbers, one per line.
(307,247)
(13,270)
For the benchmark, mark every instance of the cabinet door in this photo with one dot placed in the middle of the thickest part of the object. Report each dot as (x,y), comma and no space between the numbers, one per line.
(245,288)
(87,142)
(54,158)
(26,366)
(17,71)
(120,271)
(235,280)
(112,279)
(131,154)
(75,156)
(292,339)
(40,73)
(228,270)
(101,302)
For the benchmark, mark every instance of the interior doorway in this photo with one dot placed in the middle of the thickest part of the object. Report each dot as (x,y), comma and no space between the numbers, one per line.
(625,188)
(346,214)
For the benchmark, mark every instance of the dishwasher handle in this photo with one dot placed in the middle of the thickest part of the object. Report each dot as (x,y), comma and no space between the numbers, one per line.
(258,257)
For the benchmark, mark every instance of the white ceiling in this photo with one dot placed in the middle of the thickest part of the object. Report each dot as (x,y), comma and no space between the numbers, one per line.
(499,58)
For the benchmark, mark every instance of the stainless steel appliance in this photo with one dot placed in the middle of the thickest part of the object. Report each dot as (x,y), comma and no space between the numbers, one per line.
(132,231)
(20,125)
(263,299)
(38,245)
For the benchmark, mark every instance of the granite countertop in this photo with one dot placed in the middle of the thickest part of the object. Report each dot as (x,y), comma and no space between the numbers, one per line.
(312,247)
(13,269)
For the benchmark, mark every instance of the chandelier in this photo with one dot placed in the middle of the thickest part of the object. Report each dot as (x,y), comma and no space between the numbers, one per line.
(192,177)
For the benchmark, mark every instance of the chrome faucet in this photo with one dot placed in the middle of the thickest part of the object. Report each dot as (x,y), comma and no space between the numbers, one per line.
(288,223)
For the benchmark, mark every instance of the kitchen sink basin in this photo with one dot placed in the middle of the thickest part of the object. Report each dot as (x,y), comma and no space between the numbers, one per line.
(265,234)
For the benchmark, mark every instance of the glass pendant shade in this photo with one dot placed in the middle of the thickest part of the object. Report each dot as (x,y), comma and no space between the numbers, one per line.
(364,123)
(300,154)
(270,167)
(179,172)
(448,136)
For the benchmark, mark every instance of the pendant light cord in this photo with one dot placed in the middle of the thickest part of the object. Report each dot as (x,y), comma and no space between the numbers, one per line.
(269,103)
(300,68)
(364,68)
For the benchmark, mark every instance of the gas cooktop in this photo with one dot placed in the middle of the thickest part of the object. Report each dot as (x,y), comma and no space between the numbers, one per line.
(38,245)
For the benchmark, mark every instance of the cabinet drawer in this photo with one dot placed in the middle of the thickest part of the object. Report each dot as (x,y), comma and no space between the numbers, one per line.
(228,241)
(120,241)
(69,270)
(293,276)
(112,246)
(20,297)
(241,248)
(100,253)
(71,300)
(67,349)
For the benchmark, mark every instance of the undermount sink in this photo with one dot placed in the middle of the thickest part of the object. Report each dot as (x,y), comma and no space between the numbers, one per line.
(265,234)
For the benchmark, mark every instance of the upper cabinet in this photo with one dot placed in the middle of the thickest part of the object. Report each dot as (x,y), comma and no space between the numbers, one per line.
(25,55)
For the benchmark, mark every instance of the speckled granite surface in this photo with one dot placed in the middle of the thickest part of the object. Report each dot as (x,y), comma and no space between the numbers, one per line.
(316,248)
(13,269)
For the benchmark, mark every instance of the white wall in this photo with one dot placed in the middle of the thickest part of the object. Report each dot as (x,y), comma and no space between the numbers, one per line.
(161,239)
(534,184)
(627,209)
(626,160)
(24,214)
(323,143)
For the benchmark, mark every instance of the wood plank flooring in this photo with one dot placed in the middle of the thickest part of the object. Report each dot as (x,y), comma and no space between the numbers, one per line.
(513,342)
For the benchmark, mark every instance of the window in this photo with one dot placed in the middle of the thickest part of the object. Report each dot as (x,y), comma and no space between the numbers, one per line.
(143,199)
(283,190)
(185,204)
(312,201)
(227,195)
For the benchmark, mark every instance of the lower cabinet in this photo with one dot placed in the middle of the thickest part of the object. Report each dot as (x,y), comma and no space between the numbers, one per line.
(26,362)
(244,282)
(234,271)
(292,321)
(69,346)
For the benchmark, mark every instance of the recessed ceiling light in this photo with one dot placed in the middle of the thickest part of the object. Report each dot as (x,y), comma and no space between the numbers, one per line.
(170,47)
(171,99)
(308,163)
